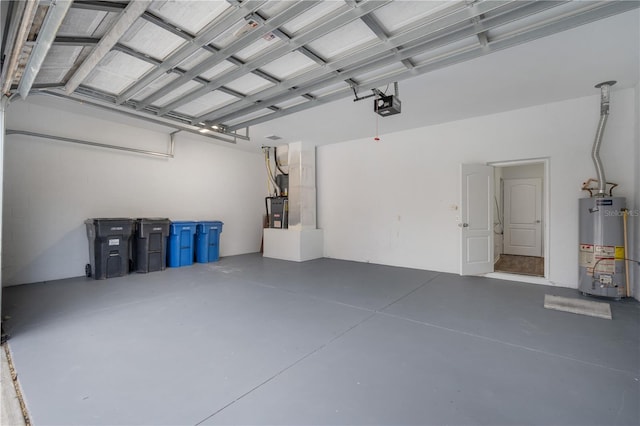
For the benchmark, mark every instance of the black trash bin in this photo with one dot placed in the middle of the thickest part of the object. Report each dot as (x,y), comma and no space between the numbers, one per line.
(150,244)
(108,247)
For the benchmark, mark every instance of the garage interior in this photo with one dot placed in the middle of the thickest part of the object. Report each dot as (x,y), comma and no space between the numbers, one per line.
(369,301)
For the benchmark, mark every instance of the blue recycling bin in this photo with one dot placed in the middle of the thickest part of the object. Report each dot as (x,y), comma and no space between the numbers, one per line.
(181,244)
(208,241)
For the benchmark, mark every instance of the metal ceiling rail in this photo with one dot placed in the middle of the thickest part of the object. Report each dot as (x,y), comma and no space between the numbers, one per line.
(127,17)
(426,30)
(128,108)
(294,9)
(52,21)
(131,113)
(97,144)
(211,31)
(410,49)
(154,61)
(89,41)
(552,26)
(375,26)
(328,24)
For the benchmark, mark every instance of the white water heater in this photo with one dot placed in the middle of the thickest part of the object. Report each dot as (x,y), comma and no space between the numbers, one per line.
(602,252)
(601,220)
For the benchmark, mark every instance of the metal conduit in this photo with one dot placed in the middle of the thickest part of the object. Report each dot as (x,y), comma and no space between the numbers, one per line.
(97,144)
(595,151)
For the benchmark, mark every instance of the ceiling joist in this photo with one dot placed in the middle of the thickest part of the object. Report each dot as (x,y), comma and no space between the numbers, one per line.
(240,63)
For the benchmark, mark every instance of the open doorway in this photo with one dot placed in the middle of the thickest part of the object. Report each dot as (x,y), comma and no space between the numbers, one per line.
(519,218)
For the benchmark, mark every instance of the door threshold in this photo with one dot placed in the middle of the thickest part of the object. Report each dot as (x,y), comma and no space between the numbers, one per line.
(517,277)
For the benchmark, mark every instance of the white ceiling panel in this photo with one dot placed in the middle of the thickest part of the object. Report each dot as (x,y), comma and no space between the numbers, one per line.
(61,56)
(116,72)
(397,15)
(289,65)
(81,23)
(193,60)
(151,40)
(217,70)
(248,84)
(57,64)
(206,103)
(174,94)
(273,8)
(259,46)
(156,85)
(235,31)
(51,75)
(192,16)
(349,37)
(310,17)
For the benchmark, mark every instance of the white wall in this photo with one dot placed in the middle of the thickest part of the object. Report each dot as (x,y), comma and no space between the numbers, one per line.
(51,187)
(395,201)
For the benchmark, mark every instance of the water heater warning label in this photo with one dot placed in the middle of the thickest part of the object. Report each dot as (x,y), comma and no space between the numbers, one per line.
(586,255)
(605,251)
(600,258)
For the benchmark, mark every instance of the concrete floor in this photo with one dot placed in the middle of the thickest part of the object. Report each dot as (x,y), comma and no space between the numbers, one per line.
(249,340)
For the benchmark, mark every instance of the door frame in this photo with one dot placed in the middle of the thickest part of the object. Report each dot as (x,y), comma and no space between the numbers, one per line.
(546,231)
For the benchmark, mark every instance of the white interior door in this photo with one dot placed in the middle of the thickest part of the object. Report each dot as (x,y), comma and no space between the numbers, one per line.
(523,217)
(476,219)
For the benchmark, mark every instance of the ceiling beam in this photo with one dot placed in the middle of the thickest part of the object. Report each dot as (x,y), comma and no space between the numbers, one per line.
(375,26)
(564,22)
(302,49)
(294,9)
(312,55)
(428,30)
(24,16)
(127,17)
(211,31)
(52,21)
(329,23)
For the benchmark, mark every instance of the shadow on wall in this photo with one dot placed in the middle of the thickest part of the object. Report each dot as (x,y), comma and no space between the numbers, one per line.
(18,268)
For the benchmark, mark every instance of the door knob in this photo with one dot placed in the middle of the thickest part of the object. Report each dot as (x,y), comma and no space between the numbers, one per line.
(463,225)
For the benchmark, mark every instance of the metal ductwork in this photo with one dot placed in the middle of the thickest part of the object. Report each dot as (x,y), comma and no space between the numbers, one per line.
(595,152)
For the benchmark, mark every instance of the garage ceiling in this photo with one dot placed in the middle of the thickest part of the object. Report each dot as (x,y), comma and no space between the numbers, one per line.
(220,67)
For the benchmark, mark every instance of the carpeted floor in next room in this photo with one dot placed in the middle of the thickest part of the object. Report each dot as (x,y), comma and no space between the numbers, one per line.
(525,265)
